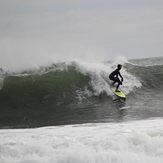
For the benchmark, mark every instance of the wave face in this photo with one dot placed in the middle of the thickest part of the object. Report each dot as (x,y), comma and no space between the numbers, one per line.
(78,92)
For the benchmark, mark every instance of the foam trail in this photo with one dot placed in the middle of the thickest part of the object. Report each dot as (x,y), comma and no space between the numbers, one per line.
(140,141)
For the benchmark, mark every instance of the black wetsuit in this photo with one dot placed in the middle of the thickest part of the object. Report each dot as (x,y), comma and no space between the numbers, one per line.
(114,76)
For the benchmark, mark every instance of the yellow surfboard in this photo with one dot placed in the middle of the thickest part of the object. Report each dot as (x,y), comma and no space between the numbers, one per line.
(119,94)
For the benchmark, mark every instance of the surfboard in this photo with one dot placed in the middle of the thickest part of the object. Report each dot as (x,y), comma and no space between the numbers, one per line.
(119,94)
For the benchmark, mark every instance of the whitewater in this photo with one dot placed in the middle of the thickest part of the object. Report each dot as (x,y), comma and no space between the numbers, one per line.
(66,113)
(129,142)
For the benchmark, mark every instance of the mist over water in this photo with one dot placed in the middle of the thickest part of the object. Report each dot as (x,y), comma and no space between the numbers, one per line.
(27,53)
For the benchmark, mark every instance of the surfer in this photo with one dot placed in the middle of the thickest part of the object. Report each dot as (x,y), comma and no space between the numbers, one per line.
(114,76)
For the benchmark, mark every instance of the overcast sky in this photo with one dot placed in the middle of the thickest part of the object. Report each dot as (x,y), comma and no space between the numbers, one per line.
(40,31)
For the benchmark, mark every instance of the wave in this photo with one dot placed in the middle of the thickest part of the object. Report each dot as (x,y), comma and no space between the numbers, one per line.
(67,89)
(149,76)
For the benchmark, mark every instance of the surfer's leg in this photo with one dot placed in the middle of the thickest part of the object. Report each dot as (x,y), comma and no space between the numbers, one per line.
(119,82)
(117,88)
(114,80)
(113,83)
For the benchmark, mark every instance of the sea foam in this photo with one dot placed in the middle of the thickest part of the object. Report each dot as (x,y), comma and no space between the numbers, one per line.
(137,141)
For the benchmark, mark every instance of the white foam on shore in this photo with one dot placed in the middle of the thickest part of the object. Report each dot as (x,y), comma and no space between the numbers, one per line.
(138,141)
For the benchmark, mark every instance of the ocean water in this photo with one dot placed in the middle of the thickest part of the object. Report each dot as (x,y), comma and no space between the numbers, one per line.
(66,113)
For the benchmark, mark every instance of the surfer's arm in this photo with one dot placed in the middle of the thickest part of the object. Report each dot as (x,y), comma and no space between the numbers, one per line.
(120,76)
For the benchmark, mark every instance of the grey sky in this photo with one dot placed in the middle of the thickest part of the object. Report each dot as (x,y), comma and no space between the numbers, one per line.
(41,31)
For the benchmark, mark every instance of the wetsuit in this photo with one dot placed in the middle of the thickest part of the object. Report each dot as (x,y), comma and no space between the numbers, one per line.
(114,76)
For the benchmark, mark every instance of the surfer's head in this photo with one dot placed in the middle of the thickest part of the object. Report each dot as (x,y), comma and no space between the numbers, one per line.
(119,66)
